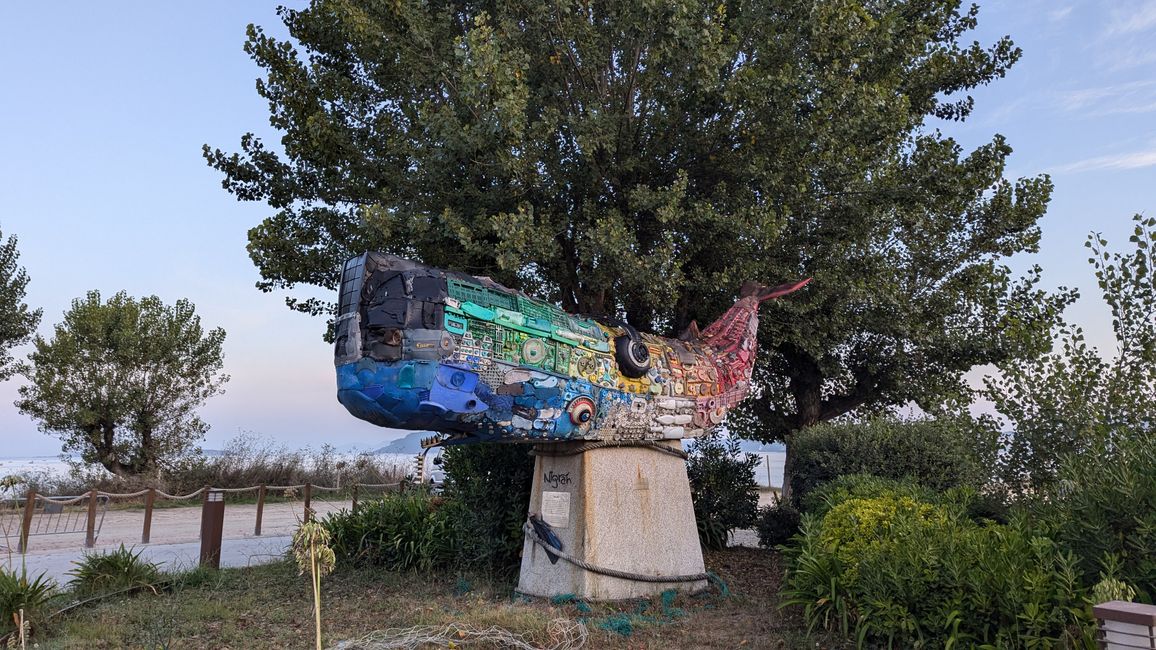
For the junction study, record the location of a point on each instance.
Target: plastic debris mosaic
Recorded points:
(428, 349)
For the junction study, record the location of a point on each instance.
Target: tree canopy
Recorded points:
(642, 159)
(120, 381)
(17, 321)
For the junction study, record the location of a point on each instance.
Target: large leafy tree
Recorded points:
(643, 158)
(120, 381)
(17, 321)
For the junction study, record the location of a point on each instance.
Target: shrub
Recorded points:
(1104, 507)
(488, 488)
(893, 570)
(859, 486)
(936, 454)
(398, 532)
(112, 571)
(722, 487)
(777, 524)
(249, 459)
(19, 592)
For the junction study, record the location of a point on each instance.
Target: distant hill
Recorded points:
(410, 444)
(752, 446)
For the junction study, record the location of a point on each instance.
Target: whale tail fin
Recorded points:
(764, 293)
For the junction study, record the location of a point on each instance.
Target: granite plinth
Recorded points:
(622, 508)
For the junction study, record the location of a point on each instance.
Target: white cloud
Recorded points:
(1056, 15)
(1130, 97)
(1134, 160)
(1133, 17)
(1125, 39)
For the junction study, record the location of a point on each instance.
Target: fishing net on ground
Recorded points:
(561, 633)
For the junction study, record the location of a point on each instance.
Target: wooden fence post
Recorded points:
(90, 529)
(146, 533)
(260, 509)
(308, 500)
(26, 520)
(355, 497)
(212, 527)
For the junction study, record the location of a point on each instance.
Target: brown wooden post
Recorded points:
(355, 497)
(150, 498)
(260, 509)
(308, 500)
(26, 521)
(212, 527)
(204, 500)
(90, 529)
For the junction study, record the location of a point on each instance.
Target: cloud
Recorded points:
(1125, 39)
(1133, 17)
(1121, 161)
(1056, 15)
(1130, 97)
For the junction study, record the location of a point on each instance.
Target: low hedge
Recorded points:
(938, 454)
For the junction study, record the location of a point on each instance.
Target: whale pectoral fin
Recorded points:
(691, 332)
(781, 290)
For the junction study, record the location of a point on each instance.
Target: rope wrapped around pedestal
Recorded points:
(614, 573)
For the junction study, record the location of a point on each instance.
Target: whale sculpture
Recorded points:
(429, 349)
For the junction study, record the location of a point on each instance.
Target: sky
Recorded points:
(104, 108)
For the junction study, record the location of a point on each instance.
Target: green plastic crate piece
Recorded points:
(477, 311)
(465, 291)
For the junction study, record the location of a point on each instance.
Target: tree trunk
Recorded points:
(806, 386)
(788, 465)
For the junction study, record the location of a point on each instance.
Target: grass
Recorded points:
(270, 607)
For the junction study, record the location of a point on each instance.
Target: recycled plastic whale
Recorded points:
(429, 349)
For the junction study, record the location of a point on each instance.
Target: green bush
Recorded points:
(398, 532)
(859, 486)
(777, 524)
(1104, 509)
(935, 454)
(20, 592)
(112, 571)
(973, 504)
(895, 571)
(489, 487)
(722, 487)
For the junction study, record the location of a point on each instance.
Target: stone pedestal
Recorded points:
(622, 508)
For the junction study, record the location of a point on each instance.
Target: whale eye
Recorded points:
(581, 410)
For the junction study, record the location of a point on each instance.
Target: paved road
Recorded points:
(175, 536)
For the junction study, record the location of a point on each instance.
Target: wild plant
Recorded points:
(112, 571)
(24, 601)
(312, 553)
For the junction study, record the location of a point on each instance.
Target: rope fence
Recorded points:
(38, 514)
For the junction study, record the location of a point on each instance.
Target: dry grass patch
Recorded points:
(269, 607)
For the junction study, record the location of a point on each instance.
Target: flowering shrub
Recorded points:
(893, 570)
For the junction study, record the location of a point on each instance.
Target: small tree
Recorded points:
(120, 381)
(1074, 398)
(723, 487)
(492, 483)
(17, 322)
